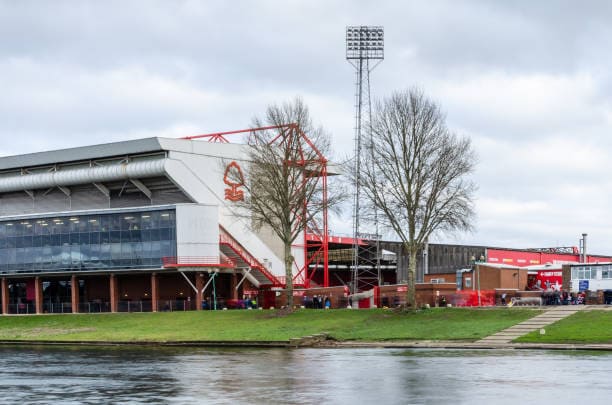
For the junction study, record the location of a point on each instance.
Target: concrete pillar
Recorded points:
(154, 292)
(199, 284)
(233, 284)
(74, 293)
(5, 295)
(114, 293)
(38, 295)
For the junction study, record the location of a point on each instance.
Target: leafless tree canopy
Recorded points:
(415, 171)
(284, 176)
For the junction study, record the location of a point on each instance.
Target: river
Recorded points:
(43, 375)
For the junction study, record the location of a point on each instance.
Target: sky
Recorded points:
(529, 82)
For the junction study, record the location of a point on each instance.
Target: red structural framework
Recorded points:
(315, 235)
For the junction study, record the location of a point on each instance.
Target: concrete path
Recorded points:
(538, 322)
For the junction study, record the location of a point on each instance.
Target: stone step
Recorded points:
(557, 315)
(498, 335)
(506, 339)
(544, 320)
(526, 329)
(538, 322)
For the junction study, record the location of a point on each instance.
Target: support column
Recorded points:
(5, 295)
(38, 295)
(199, 284)
(233, 284)
(74, 293)
(114, 293)
(154, 292)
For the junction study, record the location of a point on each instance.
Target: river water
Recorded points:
(47, 375)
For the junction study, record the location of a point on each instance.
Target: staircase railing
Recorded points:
(228, 240)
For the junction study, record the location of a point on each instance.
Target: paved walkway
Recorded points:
(503, 339)
(538, 322)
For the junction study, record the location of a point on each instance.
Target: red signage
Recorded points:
(233, 177)
(522, 258)
(545, 280)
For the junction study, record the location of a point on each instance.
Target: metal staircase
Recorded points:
(231, 248)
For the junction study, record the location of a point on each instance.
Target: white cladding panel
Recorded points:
(197, 230)
(200, 176)
(594, 285)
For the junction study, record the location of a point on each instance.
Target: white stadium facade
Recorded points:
(144, 224)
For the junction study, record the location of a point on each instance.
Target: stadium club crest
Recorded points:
(234, 179)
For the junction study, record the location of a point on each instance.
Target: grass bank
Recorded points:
(342, 324)
(582, 327)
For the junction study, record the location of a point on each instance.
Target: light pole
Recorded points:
(363, 44)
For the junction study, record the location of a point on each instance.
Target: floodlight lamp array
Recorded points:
(365, 42)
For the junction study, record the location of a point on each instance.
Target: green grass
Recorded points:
(371, 325)
(582, 327)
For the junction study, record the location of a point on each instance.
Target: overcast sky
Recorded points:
(529, 82)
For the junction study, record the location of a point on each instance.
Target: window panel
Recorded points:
(78, 242)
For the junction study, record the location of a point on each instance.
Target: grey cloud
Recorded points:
(81, 72)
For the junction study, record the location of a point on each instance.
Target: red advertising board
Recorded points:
(545, 280)
(523, 258)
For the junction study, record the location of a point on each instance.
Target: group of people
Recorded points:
(563, 298)
(244, 303)
(316, 302)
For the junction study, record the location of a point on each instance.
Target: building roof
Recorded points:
(500, 265)
(122, 148)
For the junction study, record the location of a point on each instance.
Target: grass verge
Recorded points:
(581, 327)
(342, 324)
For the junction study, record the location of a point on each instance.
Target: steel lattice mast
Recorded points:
(363, 44)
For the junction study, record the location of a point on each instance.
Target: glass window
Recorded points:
(78, 242)
(105, 223)
(94, 223)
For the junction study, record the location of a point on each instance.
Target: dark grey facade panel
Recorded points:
(53, 201)
(442, 259)
(129, 200)
(16, 203)
(82, 199)
(169, 197)
(88, 199)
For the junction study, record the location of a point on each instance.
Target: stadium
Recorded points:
(151, 225)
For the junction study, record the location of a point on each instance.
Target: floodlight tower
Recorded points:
(363, 44)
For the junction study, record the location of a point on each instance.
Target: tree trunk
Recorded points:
(289, 275)
(411, 292)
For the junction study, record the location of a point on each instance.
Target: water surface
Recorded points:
(340, 376)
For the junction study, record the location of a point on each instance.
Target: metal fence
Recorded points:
(102, 307)
(21, 309)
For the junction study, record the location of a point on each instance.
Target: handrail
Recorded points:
(227, 239)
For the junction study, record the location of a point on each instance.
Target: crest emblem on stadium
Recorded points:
(234, 179)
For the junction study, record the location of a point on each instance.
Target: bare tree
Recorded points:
(415, 173)
(284, 189)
